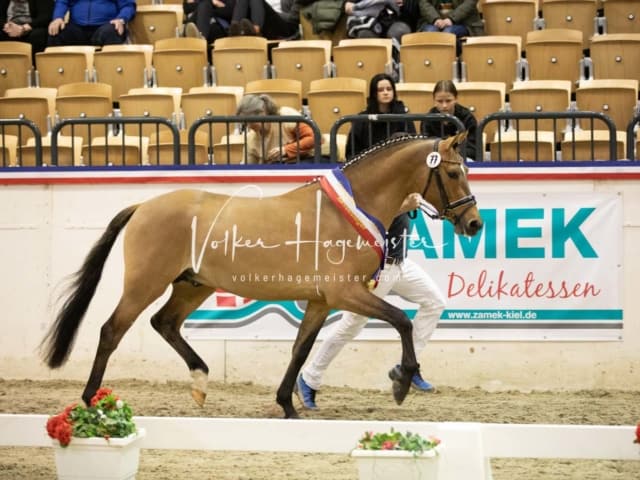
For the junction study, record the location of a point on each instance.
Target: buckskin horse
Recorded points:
(321, 242)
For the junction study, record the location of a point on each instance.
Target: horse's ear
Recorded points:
(454, 141)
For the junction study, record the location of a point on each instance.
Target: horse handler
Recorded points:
(406, 279)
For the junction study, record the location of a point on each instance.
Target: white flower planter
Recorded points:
(396, 464)
(99, 459)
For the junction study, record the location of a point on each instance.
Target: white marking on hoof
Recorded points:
(199, 386)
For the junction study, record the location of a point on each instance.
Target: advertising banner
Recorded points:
(545, 266)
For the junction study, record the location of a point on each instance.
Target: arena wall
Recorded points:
(49, 222)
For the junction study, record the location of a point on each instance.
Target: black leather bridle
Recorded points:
(448, 211)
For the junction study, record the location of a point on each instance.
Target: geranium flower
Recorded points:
(106, 417)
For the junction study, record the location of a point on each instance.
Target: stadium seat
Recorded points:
(509, 17)
(523, 146)
(16, 68)
(155, 22)
(615, 55)
(181, 62)
(206, 101)
(616, 98)
(124, 67)
(554, 54)
(622, 16)
(332, 98)
(582, 145)
(238, 60)
(493, 58)
(541, 96)
(428, 57)
(363, 57)
(285, 92)
(303, 60)
(571, 15)
(67, 64)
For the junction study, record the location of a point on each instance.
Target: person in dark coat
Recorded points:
(445, 99)
(382, 99)
(26, 21)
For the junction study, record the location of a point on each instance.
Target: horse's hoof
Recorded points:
(292, 415)
(199, 396)
(400, 391)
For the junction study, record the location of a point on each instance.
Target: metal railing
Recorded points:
(241, 124)
(7, 124)
(113, 139)
(387, 118)
(514, 118)
(114, 127)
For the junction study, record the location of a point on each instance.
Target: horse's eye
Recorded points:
(453, 175)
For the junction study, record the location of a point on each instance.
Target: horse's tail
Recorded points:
(59, 340)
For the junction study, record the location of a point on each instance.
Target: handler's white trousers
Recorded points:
(407, 280)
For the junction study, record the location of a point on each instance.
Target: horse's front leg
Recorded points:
(365, 303)
(312, 322)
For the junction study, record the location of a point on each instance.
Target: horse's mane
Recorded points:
(386, 143)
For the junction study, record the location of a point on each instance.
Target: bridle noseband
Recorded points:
(449, 207)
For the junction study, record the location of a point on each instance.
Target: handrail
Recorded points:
(113, 121)
(387, 118)
(536, 116)
(37, 136)
(231, 119)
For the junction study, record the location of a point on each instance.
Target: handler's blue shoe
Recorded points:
(417, 381)
(305, 393)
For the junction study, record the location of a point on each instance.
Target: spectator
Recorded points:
(102, 22)
(264, 144)
(382, 99)
(445, 99)
(209, 19)
(375, 19)
(26, 21)
(272, 19)
(460, 17)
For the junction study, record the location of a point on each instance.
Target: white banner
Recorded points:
(545, 266)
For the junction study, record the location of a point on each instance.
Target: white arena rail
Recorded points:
(468, 447)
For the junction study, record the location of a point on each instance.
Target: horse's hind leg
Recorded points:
(314, 317)
(131, 304)
(184, 299)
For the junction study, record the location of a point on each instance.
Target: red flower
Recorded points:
(60, 428)
(100, 394)
(637, 440)
(388, 445)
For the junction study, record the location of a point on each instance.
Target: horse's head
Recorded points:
(447, 187)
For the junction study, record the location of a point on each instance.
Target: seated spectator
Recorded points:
(264, 144)
(208, 19)
(445, 100)
(460, 17)
(272, 19)
(26, 21)
(375, 19)
(382, 99)
(102, 22)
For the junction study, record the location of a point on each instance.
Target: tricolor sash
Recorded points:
(338, 189)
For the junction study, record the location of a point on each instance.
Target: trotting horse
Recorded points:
(321, 242)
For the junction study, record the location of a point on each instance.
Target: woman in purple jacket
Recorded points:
(91, 22)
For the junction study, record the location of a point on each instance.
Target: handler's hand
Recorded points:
(411, 202)
(56, 25)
